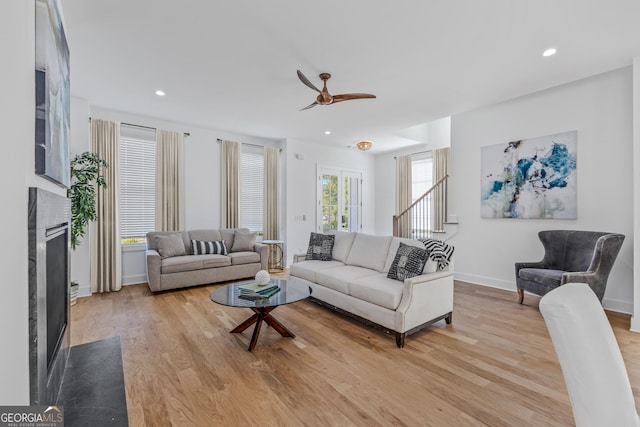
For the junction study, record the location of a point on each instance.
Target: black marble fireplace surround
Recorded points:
(49, 337)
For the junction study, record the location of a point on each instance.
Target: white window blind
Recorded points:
(421, 175)
(137, 186)
(251, 188)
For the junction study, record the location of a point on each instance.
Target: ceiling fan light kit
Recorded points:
(324, 98)
(364, 145)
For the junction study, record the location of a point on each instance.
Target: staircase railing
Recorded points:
(417, 221)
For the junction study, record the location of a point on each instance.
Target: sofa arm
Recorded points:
(263, 250)
(299, 257)
(520, 265)
(154, 264)
(424, 298)
(427, 277)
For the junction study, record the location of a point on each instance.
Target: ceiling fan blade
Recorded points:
(310, 106)
(306, 81)
(349, 96)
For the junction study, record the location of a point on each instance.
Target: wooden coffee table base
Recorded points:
(261, 314)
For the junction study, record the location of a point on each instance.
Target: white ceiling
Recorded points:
(231, 65)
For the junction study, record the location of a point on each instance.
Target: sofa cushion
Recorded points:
(214, 260)
(408, 262)
(378, 290)
(228, 235)
(193, 262)
(201, 247)
(307, 269)
(342, 245)
(205, 235)
(544, 276)
(151, 238)
(170, 245)
(243, 241)
(369, 251)
(338, 278)
(393, 249)
(320, 246)
(244, 257)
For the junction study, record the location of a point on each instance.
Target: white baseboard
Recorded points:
(485, 281)
(609, 304)
(617, 306)
(134, 280)
(84, 291)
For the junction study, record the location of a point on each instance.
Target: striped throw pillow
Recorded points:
(200, 247)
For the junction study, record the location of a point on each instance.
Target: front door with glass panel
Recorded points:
(339, 200)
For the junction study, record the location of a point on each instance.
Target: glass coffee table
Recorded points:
(291, 291)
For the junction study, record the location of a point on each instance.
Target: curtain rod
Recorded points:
(143, 127)
(413, 154)
(251, 145)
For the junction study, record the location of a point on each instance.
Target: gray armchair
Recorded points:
(570, 256)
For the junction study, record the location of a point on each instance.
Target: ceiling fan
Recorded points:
(324, 98)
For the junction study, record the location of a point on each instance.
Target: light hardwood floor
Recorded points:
(494, 365)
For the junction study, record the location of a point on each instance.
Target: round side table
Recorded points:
(275, 262)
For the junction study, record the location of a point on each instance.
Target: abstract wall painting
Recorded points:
(532, 178)
(53, 96)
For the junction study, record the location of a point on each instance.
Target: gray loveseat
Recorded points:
(172, 266)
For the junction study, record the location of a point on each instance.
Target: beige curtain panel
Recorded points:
(403, 195)
(441, 160)
(106, 267)
(271, 193)
(169, 180)
(230, 181)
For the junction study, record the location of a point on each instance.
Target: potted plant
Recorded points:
(86, 177)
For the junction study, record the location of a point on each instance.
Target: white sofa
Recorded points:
(355, 283)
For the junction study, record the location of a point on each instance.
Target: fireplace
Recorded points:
(49, 216)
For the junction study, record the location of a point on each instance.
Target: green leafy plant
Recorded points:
(86, 177)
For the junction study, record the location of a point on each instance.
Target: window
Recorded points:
(251, 188)
(339, 200)
(421, 175)
(137, 187)
(421, 182)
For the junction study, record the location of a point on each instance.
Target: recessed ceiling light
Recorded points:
(160, 93)
(327, 132)
(550, 52)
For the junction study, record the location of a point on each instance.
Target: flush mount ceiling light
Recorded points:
(549, 52)
(327, 132)
(160, 92)
(364, 145)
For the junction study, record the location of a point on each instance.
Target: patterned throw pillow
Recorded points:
(439, 252)
(320, 246)
(200, 247)
(409, 262)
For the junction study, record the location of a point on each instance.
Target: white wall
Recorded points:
(635, 320)
(301, 182)
(439, 136)
(17, 107)
(600, 109)
(17, 166)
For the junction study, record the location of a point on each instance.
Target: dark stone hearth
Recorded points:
(93, 392)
